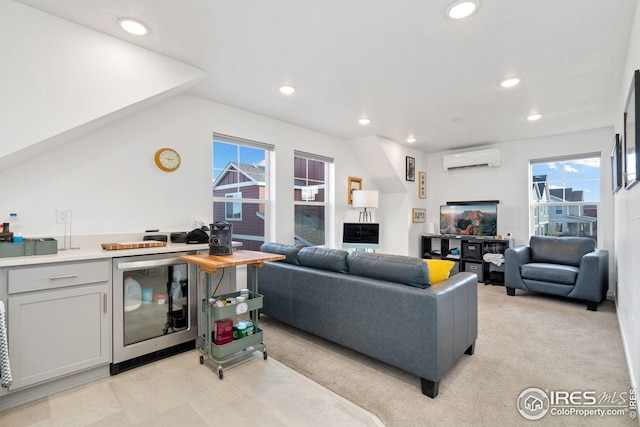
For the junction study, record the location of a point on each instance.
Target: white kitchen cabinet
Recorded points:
(58, 320)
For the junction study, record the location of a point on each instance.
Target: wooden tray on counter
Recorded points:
(133, 245)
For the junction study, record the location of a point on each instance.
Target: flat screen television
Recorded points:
(469, 220)
(361, 232)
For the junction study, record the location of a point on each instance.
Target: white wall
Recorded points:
(58, 77)
(627, 231)
(385, 162)
(509, 183)
(110, 182)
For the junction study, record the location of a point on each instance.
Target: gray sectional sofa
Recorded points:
(380, 305)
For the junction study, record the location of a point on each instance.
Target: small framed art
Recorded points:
(410, 169)
(422, 185)
(419, 215)
(354, 184)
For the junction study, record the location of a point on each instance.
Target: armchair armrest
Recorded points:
(514, 258)
(593, 278)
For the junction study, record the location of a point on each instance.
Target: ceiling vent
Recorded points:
(487, 157)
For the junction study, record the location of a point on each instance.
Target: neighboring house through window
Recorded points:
(310, 187)
(565, 194)
(240, 172)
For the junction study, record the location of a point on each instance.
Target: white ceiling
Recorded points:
(400, 62)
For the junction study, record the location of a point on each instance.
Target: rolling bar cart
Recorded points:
(242, 347)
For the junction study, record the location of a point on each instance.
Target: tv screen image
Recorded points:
(355, 232)
(469, 220)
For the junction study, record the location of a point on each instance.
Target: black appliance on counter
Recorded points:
(220, 242)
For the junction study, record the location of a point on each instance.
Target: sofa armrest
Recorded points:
(514, 259)
(456, 318)
(593, 277)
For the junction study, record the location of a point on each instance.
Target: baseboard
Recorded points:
(627, 354)
(29, 394)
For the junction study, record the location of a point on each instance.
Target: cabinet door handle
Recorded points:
(63, 276)
(104, 302)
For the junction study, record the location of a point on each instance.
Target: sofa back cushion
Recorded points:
(324, 259)
(391, 268)
(290, 251)
(560, 250)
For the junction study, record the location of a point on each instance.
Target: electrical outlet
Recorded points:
(61, 216)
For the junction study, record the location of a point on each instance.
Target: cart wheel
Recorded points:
(220, 374)
(264, 355)
(201, 360)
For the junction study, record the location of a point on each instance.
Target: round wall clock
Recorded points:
(167, 159)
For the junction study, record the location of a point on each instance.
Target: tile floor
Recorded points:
(178, 391)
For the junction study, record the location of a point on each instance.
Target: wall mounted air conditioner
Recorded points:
(486, 157)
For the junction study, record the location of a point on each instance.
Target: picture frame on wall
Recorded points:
(631, 133)
(410, 169)
(418, 215)
(422, 185)
(616, 164)
(354, 184)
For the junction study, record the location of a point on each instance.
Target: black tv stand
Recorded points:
(470, 255)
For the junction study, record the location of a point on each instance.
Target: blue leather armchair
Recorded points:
(565, 266)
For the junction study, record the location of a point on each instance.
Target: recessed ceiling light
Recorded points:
(287, 90)
(462, 9)
(411, 140)
(534, 117)
(510, 82)
(364, 121)
(133, 26)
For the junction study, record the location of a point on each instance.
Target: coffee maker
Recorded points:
(220, 238)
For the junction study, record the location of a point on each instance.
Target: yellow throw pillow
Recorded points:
(439, 269)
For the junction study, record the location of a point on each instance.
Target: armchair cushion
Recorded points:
(563, 250)
(556, 273)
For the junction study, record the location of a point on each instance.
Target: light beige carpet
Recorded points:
(524, 341)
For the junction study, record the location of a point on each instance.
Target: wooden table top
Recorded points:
(211, 263)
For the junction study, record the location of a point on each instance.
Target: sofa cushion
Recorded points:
(324, 259)
(290, 251)
(560, 250)
(555, 273)
(391, 268)
(439, 269)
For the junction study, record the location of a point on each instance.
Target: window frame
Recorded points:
(325, 185)
(536, 207)
(263, 202)
(234, 206)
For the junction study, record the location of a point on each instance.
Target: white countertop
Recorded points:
(89, 247)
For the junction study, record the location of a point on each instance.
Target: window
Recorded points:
(310, 198)
(565, 194)
(233, 211)
(240, 172)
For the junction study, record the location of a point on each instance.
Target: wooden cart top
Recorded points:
(211, 263)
